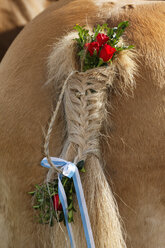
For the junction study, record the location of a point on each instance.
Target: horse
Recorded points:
(124, 185)
(14, 15)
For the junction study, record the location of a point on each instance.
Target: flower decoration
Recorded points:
(92, 47)
(107, 53)
(46, 200)
(56, 203)
(102, 39)
(101, 47)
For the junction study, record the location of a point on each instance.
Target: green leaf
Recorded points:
(103, 27)
(36, 207)
(97, 30)
(110, 33)
(70, 216)
(71, 190)
(70, 197)
(64, 181)
(95, 53)
(37, 186)
(129, 47)
(70, 206)
(31, 193)
(83, 169)
(83, 34)
(80, 164)
(123, 25)
(100, 62)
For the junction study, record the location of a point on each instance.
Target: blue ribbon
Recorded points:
(63, 200)
(70, 170)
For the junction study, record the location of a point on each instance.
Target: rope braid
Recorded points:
(50, 127)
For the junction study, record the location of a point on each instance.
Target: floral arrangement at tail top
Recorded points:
(101, 47)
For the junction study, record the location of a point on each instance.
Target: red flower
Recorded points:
(56, 203)
(102, 38)
(91, 47)
(107, 52)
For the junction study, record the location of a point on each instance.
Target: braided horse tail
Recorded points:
(84, 103)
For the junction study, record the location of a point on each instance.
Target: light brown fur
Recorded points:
(134, 152)
(15, 14)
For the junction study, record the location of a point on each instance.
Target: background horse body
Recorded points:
(133, 152)
(14, 15)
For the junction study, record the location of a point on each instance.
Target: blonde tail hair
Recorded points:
(85, 99)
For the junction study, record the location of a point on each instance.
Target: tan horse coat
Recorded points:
(134, 156)
(14, 15)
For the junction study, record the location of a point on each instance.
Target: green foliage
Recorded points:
(114, 35)
(80, 166)
(43, 199)
(83, 34)
(43, 202)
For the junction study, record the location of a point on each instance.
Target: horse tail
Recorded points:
(85, 100)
